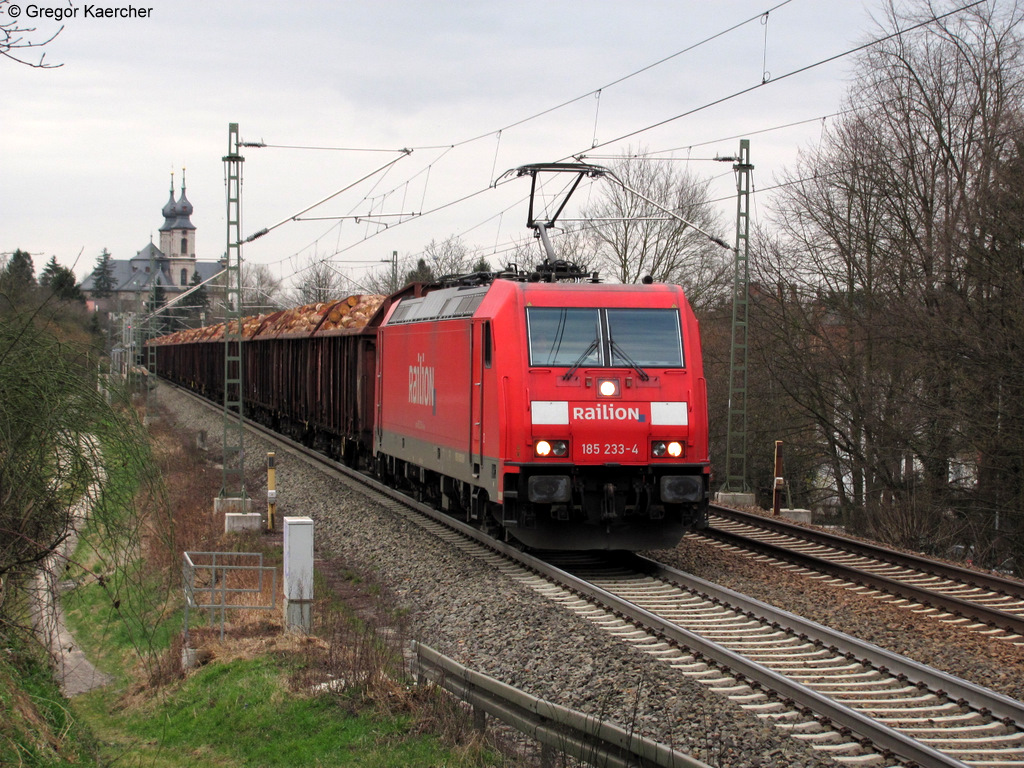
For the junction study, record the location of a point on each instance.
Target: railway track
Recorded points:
(984, 602)
(848, 699)
(856, 701)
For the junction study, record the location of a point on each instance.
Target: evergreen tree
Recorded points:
(19, 274)
(422, 274)
(157, 298)
(200, 298)
(65, 286)
(49, 271)
(198, 302)
(61, 281)
(103, 276)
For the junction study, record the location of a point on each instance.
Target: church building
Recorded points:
(172, 266)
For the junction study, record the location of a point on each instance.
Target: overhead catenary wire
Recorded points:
(646, 154)
(791, 73)
(594, 92)
(264, 145)
(767, 80)
(170, 303)
(294, 217)
(621, 79)
(650, 153)
(447, 148)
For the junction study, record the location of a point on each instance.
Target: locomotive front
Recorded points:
(608, 435)
(572, 416)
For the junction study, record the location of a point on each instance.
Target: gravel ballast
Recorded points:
(468, 610)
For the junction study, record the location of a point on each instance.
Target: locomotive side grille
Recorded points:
(440, 305)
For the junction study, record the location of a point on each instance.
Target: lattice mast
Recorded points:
(149, 332)
(736, 434)
(233, 483)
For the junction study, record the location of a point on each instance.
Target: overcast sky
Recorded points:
(88, 148)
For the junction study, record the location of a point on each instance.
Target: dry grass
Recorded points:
(185, 521)
(357, 648)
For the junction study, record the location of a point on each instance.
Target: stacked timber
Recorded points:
(351, 312)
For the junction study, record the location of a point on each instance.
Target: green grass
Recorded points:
(37, 725)
(129, 616)
(243, 713)
(125, 612)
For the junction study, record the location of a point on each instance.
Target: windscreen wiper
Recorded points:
(579, 360)
(617, 350)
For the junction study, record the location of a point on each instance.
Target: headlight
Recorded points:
(662, 448)
(557, 448)
(608, 387)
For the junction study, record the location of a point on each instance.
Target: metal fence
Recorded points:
(209, 577)
(558, 729)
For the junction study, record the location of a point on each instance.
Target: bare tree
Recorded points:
(896, 238)
(397, 274)
(262, 291)
(629, 237)
(448, 257)
(384, 280)
(319, 281)
(15, 42)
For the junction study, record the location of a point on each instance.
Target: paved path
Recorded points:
(74, 671)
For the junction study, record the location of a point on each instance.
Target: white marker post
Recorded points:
(298, 573)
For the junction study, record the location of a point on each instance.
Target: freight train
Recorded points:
(564, 415)
(543, 406)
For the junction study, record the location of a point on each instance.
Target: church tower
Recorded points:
(178, 237)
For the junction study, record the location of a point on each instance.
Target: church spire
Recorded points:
(169, 212)
(184, 207)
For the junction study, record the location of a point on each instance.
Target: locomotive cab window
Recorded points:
(645, 337)
(620, 338)
(563, 336)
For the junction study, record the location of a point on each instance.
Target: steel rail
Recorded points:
(585, 737)
(992, 617)
(879, 735)
(984, 700)
(998, 584)
(577, 733)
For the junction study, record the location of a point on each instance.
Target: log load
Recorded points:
(352, 312)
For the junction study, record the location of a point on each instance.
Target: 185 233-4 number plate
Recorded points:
(609, 450)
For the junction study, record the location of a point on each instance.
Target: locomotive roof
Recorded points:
(463, 301)
(443, 304)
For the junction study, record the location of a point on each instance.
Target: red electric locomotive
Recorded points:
(567, 413)
(574, 415)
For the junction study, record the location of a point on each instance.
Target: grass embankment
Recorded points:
(261, 697)
(37, 727)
